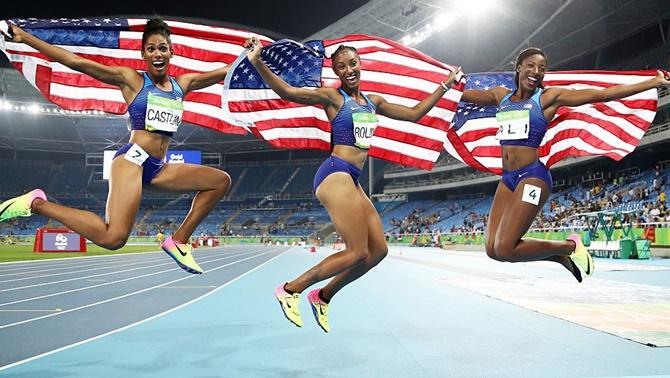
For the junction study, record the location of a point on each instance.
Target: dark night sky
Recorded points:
(295, 19)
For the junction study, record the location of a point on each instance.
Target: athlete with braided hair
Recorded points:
(352, 116)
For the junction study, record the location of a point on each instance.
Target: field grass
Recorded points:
(24, 252)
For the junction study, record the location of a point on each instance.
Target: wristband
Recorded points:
(445, 87)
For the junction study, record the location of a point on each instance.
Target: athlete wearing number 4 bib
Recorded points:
(353, 120)
(526, 183)
(155, 108)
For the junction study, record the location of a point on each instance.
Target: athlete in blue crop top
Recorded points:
(155, 107)
(353, 119)
(523, 116)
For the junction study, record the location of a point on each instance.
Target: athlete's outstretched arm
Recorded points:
(405, 113)
(322, 96)
(113, 75)
(192, 81)
(576, 97)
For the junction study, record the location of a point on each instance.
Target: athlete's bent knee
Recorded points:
(357, 257)
(504, 251)
(224, 182)
(380, 254)
(490, 249)
(114, 242)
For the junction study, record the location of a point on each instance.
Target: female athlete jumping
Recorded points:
(155, 108)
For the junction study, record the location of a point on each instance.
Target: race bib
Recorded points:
(163, 114)
(364, 127)
(531, 194)
(136, 155)
(513, 124)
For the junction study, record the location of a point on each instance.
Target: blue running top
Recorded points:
(156, 110)
(354, 123)
(521, 123)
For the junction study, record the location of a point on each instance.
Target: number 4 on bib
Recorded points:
(531, 194)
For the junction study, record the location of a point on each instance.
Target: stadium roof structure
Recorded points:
(485, 36)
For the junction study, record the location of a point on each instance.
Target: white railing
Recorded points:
(536, 229)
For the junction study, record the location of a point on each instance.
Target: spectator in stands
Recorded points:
(155, 108)
(526, 182)
(655, 214)
(353, 120)
(160, 237)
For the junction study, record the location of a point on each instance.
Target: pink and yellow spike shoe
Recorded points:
(182, 254)
(581, 257)
(319, 309)
(20, 206)
(290, 305)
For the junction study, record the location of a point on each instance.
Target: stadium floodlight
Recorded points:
(5, 105)
(474, 9)
(438, 24)
(34, 108)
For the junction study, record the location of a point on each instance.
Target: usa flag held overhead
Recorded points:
(611, 129)
(118, 41)
(399, 74)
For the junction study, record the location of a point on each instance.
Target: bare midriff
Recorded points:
(154, 144)
(353, 155)
(516, 157)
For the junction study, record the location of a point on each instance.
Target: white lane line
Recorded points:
(114, 298)
(10, 264)
(169, 262)
(98, 267)
(5, 367)
(20, 310)
(87, 264)
(65, 264)
(76, 258)
(108, 283)
(187, 287)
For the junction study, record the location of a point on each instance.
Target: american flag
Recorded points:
(611, 129)
(118, 41)
(400, 74)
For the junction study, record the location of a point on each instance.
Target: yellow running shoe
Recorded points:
(581, 257)
(182, 254)
(290, 305)
(319, 309)
(20, 206)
